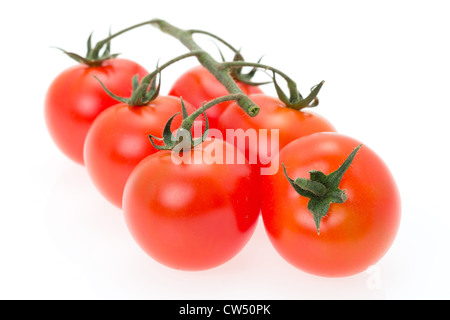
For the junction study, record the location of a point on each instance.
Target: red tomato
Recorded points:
(75, 98)
(292, 124)
(119, 139)
(198, 85)
(192, 216)
(353, 235)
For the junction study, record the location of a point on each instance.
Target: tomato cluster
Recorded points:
(330, 206)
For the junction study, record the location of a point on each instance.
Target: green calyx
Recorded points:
(148, 89)
(295, 99)
(183, 140)
(322, 189)
(143, 93)
(94, 55)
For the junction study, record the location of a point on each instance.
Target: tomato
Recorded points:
(198, 85)
(353, 235)
(75, 98)
(292, 124)
(192, 216)
(118, 141)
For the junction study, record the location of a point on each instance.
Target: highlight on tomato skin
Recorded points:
(198, 86)
(75, 98)
(354, 235)
(192, 216)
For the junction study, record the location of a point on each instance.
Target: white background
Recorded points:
(386, 67)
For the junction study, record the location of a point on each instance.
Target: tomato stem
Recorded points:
(295, 99)
(93, 57)
(185, 36)
(225, 72)
(213, 66)
(236, 73)
(240, 64)
(194, 31)
(99, 45)
(188, 122)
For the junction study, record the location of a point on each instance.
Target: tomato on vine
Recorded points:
(340, 220)
(75, 98)
(193, 204)
(195, 212)
(118, 139)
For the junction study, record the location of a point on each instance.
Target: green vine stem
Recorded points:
(236, 73)
(194, 31)
(295, 99)
(185, 37)
(188, 122)
(93, 57)
(222, 71)
(96, 50)
(240, 64)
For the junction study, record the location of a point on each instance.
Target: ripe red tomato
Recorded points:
(75, 98)
(292, 124)
(118, 141)
(198, 85)
(353, 235)
(192, 216)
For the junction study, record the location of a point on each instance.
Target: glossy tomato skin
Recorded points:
(292, 124)
(119, 139)
(192, 216)
(75, 98)
(354, 235)
(198, 86)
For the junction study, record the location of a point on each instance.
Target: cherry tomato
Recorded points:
(192, 216)
(198, 85)
(353, 235)
(292, 124)
(118, 141)
(75, 98)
